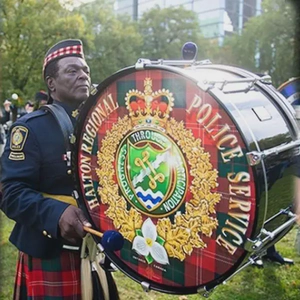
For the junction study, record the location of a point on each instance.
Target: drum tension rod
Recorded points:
(251, 82)
(224, 82)
(251, 260)
(256, 245)
(143, 62)
(271, 234)
(255, 157)
(206, 292)
(286, 211)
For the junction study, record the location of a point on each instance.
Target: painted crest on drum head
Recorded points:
(153, 178)
(161, 161)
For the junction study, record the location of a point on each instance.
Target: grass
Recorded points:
(8, 257)
(273, 282)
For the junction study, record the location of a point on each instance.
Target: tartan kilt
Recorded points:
(48, 279)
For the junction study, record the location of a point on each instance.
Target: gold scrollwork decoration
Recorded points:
(183, 234)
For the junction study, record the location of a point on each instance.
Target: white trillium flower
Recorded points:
(146, 244)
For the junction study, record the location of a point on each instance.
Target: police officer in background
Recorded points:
(4, 118)
(37, 187)
(41, 99)
(29, 107)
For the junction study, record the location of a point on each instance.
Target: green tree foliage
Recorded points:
(266, 44)
(166, 30)
(295, 4)
(116, 42)
(28, 29)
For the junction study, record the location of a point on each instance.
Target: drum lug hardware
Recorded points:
(251, 246)
(267, 233)
(68, 158)
(205, 292)
(267, 79)
(113, 268)
(93, 90)
(204, 86)
(75, 195)
(100, 248)
(72, 138)
(254, 158)
(146, 286)
(140, 64)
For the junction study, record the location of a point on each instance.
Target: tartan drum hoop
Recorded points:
(192, 164)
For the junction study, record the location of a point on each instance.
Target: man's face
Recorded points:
(72, 81)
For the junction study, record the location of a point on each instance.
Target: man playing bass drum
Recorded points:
(37, 185)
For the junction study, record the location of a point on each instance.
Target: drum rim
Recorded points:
(74, 158)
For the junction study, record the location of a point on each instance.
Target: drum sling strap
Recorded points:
(96, 282)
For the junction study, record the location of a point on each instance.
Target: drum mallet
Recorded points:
(110, 240)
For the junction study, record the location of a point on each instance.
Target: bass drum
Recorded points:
(193, 166)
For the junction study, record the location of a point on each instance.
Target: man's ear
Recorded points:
(50, 81)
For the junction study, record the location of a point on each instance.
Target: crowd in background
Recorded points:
(9, 109)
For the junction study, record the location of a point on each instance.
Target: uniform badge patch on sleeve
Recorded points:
(16, 156)
(18, 138)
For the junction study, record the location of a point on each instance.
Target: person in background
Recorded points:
(4, 118)
(41, 99)
(274, 256)
(29, 107)
(6, 114)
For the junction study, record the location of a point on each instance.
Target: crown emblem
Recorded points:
(149, 107)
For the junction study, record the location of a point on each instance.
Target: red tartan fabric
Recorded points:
(40, 279)
(76, 49)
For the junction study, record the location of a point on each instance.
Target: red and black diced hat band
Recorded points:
(63, 49)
